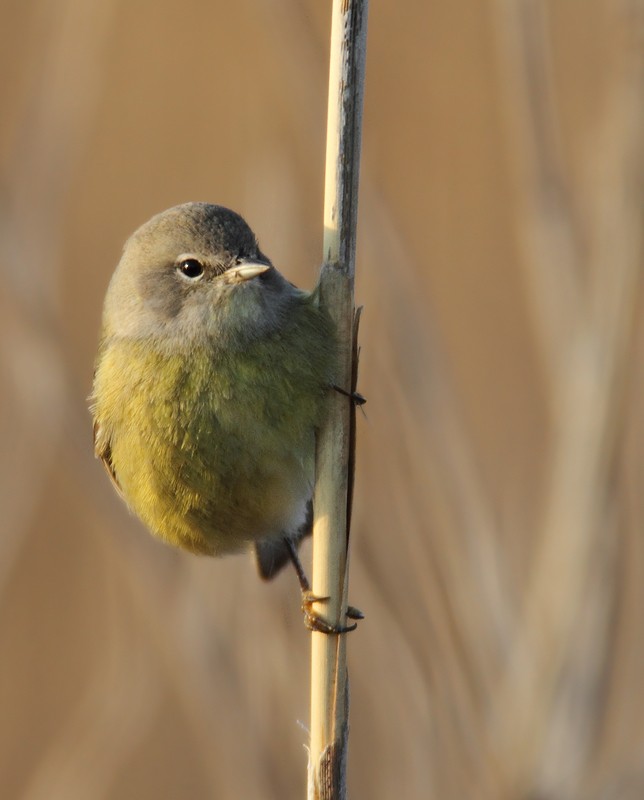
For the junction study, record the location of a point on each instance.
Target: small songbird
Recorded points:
(212, 377)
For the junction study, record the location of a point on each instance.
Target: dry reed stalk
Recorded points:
(329, 689)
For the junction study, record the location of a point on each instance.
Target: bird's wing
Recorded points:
(103, 450)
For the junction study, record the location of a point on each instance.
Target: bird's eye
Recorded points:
(191, 268)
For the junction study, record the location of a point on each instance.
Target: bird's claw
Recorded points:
(314, 622)
(355, 397)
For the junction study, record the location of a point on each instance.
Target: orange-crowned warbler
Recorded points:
(212, 376)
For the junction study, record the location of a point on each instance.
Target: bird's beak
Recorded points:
(247, 270)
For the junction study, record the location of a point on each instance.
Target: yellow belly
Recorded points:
(209, 455)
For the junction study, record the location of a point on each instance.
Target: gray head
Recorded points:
(191, 272)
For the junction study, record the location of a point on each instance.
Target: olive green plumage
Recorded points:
(212, 376)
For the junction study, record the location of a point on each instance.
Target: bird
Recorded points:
(211, 381)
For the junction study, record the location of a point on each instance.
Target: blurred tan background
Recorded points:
(497, 541)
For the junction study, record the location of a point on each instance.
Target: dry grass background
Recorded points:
(497, 542)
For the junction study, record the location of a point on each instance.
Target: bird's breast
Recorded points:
(211, 450)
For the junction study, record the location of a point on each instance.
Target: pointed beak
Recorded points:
(247, 270)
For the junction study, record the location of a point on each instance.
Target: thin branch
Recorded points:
(329, 689)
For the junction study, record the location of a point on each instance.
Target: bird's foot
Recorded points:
(314, 622)
(355, 397)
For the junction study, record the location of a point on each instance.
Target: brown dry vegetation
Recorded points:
(497, 542)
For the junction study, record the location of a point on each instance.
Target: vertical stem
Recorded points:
(329, 695)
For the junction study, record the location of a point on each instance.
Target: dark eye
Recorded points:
(191, 268)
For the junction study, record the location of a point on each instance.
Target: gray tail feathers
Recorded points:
(272, 555)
